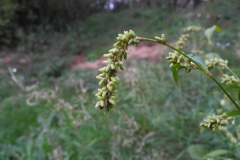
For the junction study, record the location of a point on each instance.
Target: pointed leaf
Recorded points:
(218, 29)
(239, 94)
(196, 151)
(236, 70)
(211, 55)
(231, 87)
(233, 113)
(216, 153)
(199, 61)
(175, 70)
(209, 32)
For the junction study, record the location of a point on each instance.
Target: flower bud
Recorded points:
(98, 77)
(102, 103)
(108, 68)
(115, 50)
(102, 69)
(158, 38)
(113, 97)
(163, 37)
(132, 33)
(116, 64)
(113, 79)
(124, 38)
(105, 62)
(98, 94)
(116, 45)
(110, 88)
(112, 66)
(119, 39)
(106, 55)
(130, 41)
(125, 56)
(97, 104)
(100, 98)
(111, 101)
(101, 83)
(104, 94)
(121, 67)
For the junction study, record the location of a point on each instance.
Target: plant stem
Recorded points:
(232, 72)
(179, 51)
(214, 79)
(205, 70)
(189, 58)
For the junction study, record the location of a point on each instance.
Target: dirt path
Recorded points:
(145, 51)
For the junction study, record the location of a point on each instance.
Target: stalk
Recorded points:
(199, 66)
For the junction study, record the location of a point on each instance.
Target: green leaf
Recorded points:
(209, 32)
(239, 94)
(196, 152)
(216, 153)
(233, 113)
(236, 70)
(199, 61)
(175, 70)
(211, 55)
(231, 87)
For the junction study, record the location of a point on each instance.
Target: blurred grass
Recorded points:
(153, 119)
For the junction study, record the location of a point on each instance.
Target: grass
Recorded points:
(153, 118)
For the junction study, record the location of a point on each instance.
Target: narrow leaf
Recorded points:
(211, 55)
(198, 60)
(196, 151)
(209, 32)
(175, 70)
(233, 113)
(236, 70)
(239, 94)
(231, 87)
(216, 153)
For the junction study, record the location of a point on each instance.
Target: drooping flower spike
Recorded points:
(108, 76)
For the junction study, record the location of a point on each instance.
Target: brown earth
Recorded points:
(145, 51)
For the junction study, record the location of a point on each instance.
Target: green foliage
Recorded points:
(155, 120)
(141, 126)
(55, 69)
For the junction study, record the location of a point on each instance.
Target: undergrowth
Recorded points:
(56, 121)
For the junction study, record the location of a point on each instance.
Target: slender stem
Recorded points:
(232, 72)
(225, 92)
(189, 58)
(179, 51)
(205, 70)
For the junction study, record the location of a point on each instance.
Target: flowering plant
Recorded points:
(178, 59)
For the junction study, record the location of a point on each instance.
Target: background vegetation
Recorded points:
(52, 115)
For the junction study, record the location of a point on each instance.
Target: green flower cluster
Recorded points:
(176, 58)
(215, 62)
(213, 122)
(193, 29)
(230, 80)
(196, 51)
(181, 41)
(108, 76)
